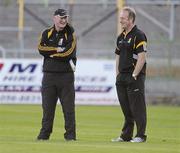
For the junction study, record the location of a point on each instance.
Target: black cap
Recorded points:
(61, 12)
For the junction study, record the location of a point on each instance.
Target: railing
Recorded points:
(154, 2)
(20, 39)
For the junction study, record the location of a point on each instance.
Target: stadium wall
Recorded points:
(20, 83)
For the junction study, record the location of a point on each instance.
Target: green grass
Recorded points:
(96, 125)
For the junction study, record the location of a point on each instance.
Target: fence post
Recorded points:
(120, 4)
(21, 26)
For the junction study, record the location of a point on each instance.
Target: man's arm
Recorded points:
(43, 47)
(140, 63)
(140, 49)
(117, 64)
(69, 49)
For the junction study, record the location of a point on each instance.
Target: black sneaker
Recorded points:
(42, 137)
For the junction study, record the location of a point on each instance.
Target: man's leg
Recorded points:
(127, 130)
(67, 98)
(49, 99)
(138, 106)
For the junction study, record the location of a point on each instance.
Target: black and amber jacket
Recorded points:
(49, 42)
(128, 47)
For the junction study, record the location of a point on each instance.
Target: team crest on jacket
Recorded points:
(129, 41)
(60, 42)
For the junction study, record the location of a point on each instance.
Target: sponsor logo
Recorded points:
(120, 42)
(95, 89)
(21, 68)
(20, 98)
(91, 79)
(18, 88)
(16, 78)
(85, 88)
(136, 90)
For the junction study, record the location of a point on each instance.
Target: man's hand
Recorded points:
(134, 76)
(60, 49)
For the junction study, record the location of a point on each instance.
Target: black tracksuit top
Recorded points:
(50, 40)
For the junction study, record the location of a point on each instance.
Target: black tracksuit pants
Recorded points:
(58, 86)
(132, 100)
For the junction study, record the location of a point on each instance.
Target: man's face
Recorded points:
(124, 20)
(60, 22)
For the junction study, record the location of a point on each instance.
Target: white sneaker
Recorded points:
(118, 139)
(138, 140)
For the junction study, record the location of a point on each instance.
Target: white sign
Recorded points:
(95, 82)
(20, 81)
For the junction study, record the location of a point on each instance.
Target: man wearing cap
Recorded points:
(58, 47)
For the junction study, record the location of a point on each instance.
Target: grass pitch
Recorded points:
(96, 126)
